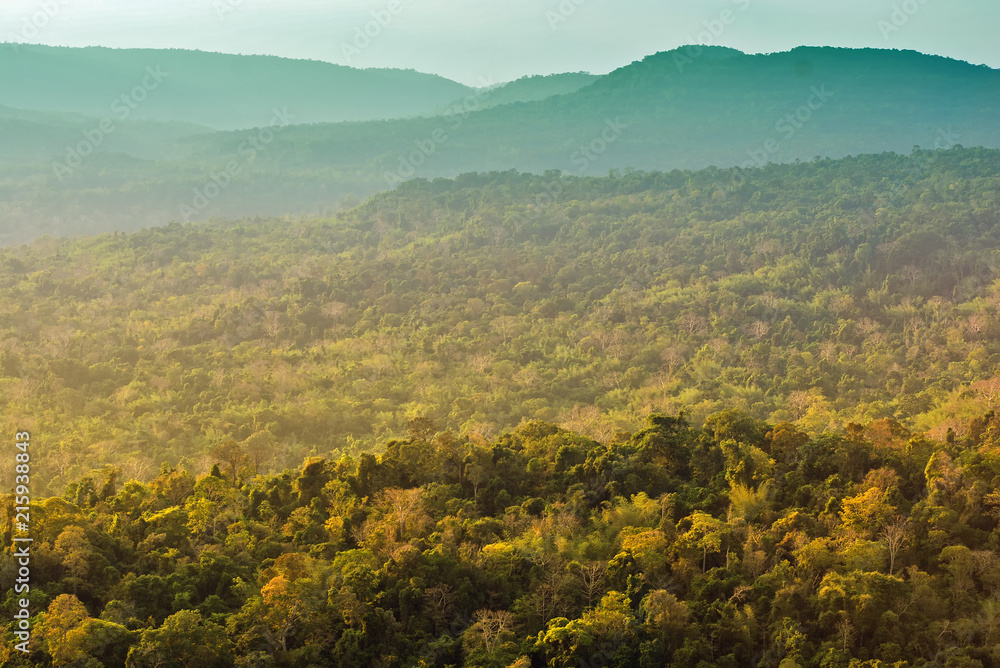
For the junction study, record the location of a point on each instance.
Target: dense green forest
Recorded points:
(819, 294)
(684, 109)
(738, 417)
(740, 543)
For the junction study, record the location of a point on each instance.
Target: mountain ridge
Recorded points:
(720, 108)
(211, 88)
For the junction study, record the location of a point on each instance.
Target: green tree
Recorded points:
(185, 640)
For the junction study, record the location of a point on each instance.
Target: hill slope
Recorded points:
(217, 90)
(819, 293)
(727, 109)
(26, 135)
(535, 88)
(668, 111)
(739, 544)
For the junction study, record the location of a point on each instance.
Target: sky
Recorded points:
(481, 42)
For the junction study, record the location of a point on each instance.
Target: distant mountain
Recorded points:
(31, 135)
(213, 89)
(691, 108)
(535, 88)
(683, 109)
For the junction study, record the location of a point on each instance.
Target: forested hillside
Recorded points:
(820, 294)
(738, 544)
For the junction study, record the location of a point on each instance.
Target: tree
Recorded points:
(650, 550)
(894, 534)
(704, 533)
(232, 457)
(97, 643)
(259, 448)
(292, 600)
(748, 503)
(594, 636)
(284, 609)
(74, 548)
(185, 640)
(593, 575)
(864, 515)
(666, 618)
(347, 604)
(213, 507)
(405, 507)
(441, 601)
(173, 485)
(64, 614)
(489, 630)
(421, 429)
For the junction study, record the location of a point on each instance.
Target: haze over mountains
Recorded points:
(685, 109)
(221, 91)
(535, 88)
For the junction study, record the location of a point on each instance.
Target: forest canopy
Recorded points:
(742, 543)
(818, 294)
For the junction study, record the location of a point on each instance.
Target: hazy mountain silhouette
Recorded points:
(535, 88)
(688, 108)
(214, 89)
(684, 109)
